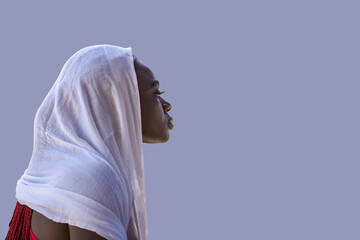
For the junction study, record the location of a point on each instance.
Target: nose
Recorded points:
(165, 105)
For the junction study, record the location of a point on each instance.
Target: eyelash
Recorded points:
(158, 93)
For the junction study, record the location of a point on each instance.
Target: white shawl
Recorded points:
(87, 165)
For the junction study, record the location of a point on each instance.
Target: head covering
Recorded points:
(86, 167)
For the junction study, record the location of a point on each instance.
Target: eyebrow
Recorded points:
(154, 83)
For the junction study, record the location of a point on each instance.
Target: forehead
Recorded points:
(144, 74)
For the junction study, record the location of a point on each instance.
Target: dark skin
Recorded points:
(156, 124)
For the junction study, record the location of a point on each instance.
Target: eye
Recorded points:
(158, 93)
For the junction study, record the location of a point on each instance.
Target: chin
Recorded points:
(158, 139)
(164, 138)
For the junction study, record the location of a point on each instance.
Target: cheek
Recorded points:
(158, 111)
(152, 111)
(158, 115)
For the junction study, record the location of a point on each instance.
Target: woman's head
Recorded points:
(115, 83)
(155, 119)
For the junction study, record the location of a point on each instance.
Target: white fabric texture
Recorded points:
(87, 166)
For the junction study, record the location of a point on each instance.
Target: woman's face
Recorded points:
(155, 120)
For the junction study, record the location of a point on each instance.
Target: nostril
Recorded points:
(168, 107)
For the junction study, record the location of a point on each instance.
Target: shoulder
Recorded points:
(77, 233)
(46, 229)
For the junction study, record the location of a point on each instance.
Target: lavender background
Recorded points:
(265, 99)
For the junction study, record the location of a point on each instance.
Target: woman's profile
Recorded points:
(85, 178)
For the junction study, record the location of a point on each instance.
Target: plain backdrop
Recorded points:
(265, 98)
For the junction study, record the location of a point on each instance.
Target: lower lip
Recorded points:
(170, 125)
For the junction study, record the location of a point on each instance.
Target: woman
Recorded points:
(85, 179)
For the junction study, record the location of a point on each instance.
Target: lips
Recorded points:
(170, 124)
